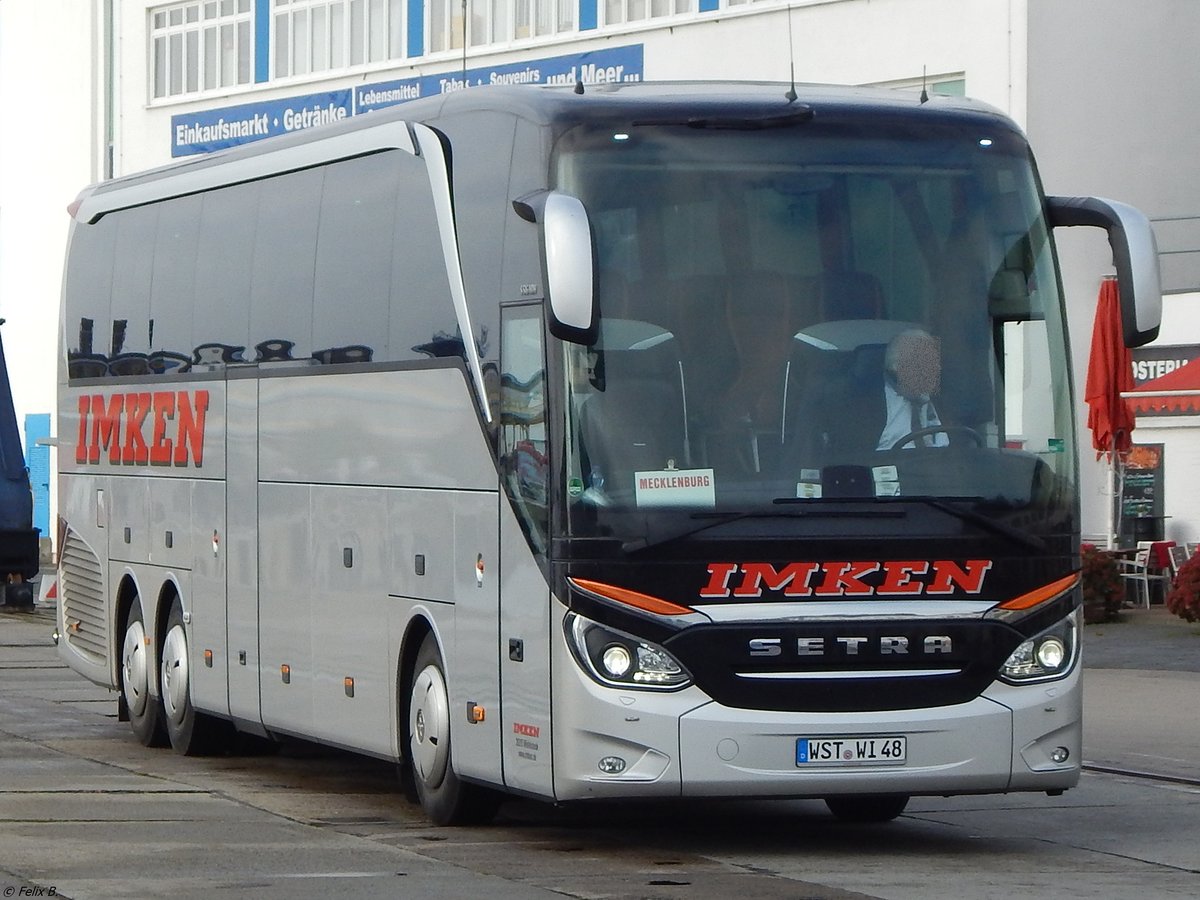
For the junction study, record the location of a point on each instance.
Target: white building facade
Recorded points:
(1101, 86)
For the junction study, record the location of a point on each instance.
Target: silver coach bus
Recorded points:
(534, 438)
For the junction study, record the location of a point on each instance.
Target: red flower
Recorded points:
(1184, 597)
(1103, 588)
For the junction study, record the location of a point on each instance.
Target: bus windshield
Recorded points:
(839, 311)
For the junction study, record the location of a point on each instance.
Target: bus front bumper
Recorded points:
(1025, 738)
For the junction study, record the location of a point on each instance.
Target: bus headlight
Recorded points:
(1046, 656)
(617, 659)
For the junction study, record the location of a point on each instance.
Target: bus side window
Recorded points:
(422, 323)
(224, 261)
(353, 270)
(285, 246)
(524, 452)
(89, 297)
(173, 286)
(126, 337)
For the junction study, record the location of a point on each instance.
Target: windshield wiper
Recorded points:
(1032, 541)
(719, 518)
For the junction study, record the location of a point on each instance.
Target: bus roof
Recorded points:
(564, 105)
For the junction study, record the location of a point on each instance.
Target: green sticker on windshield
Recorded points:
(1056, 445)
(575, 487)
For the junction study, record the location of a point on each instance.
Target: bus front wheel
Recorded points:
(145, 716)
(444, 797)
(867, 807)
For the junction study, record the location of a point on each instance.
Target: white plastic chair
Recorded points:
(1179, 555)
(1137, 570)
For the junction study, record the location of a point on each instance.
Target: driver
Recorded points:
(912, 376)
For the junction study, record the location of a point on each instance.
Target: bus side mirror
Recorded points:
(1135, 255)
(569, 261)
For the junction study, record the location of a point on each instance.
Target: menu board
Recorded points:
(1141, 501)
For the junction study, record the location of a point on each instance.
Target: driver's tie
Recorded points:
(916, 411)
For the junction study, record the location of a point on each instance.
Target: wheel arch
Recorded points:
(154, 619)
(414, 635)
(168, 593)
(125, 594)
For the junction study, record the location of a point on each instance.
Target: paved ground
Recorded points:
(1141, 686)
(1151, 639)
(138, 824)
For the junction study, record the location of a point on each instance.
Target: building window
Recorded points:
(201, 46)
(323, 35)
(618, 11)
(497, 21)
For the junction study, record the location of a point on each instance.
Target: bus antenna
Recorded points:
(791, 92)
(924, 91)
(579, 85)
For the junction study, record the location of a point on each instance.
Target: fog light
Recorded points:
(1059, 754)
(617, 660)
(611, 765)
(1051, 653)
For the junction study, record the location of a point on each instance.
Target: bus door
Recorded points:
(525, 607)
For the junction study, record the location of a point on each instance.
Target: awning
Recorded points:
(1185, 378)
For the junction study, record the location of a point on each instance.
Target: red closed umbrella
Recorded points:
(1110, 371)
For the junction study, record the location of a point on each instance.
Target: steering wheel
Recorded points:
(948, 430)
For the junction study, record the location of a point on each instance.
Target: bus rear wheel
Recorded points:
(191, 733)
(145, 716)
(444, 797)
(867, 807)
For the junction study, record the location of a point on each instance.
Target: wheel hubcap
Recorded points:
(429, 725)
(133, 665)
(175, 673)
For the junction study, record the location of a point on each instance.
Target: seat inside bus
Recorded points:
(633, 417)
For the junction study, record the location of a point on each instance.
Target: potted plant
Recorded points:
(1103, 588)
(1184, 597)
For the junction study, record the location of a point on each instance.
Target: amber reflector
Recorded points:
(631, 598)
(1042, 594)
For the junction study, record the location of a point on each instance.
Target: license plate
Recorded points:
(852, 749)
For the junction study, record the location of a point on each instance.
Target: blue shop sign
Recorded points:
(216, 129)
(615, 64)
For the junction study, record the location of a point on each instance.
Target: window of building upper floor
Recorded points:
(203, 45)
(214, 45)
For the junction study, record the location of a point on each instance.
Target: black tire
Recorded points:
(18, 595)
(145, 712)
(190, 733)
(867, 807)
(445, 798)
